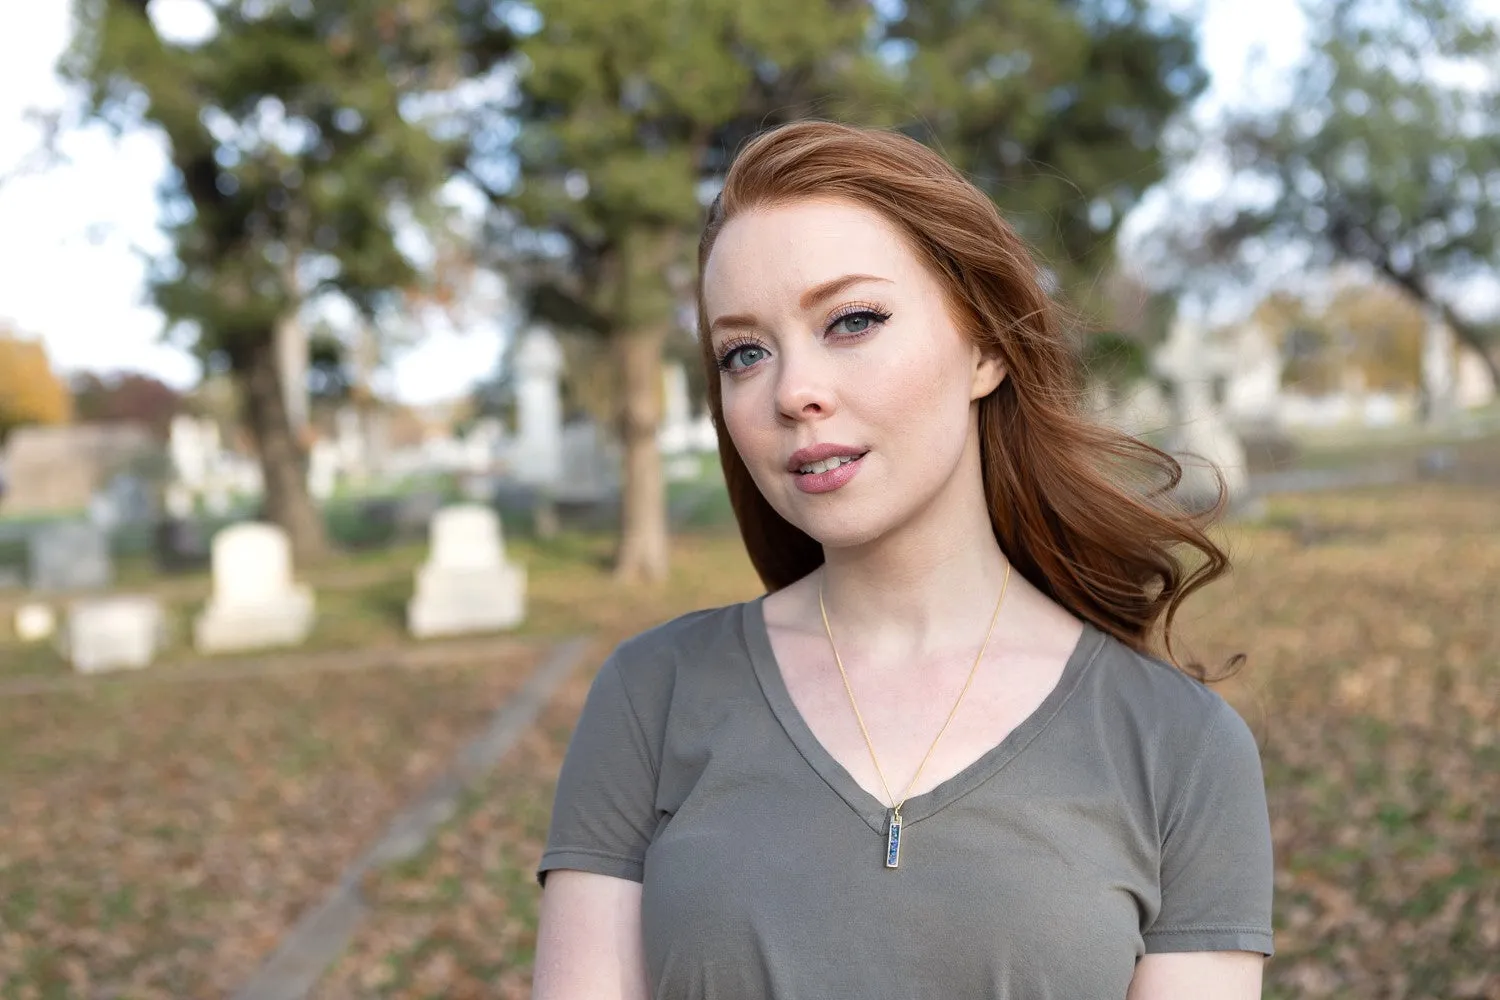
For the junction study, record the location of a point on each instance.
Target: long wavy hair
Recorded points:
(1083, 511)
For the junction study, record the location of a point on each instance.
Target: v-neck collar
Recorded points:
(918, 807)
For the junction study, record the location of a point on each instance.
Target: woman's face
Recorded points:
(847, 388)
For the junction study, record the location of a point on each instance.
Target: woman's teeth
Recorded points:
(826, 464)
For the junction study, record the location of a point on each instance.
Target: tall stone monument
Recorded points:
(536, 454)
(1201, 439)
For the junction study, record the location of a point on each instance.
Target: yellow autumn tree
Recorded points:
(30, 391)
(1366, 328)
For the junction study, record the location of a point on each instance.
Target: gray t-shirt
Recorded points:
(1126, 815)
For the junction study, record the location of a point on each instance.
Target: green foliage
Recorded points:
(1384, 153)
(622, 108)
(1055, 109)
(293, 136)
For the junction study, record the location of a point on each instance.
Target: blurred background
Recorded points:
(350, 412)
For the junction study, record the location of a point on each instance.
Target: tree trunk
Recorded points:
(1465, 333)
(282, 461)
(643, 552)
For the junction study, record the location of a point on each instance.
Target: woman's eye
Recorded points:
(742, 357)
(857, 322)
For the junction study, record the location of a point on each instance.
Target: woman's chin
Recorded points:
(838, 531)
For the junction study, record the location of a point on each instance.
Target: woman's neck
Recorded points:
(928, 584)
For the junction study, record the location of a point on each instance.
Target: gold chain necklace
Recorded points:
(893, 817)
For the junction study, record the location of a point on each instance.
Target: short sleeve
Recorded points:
(604, 810)
(1216, 864)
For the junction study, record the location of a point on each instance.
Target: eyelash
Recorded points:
(877, 317)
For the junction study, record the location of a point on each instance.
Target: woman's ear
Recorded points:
(989, 372)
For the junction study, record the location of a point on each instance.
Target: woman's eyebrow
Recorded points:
(828, 289)
(809, 298)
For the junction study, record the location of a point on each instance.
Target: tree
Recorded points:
(1364, 328)
(1056, 110)
(125, 396)
(297, 138)
(621, 110)
(30, 392)
(1384, 155)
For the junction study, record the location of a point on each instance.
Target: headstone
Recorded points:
(35, 622)
(676, 434)
(182, 544)
(1438, 369)
(178, 500)
(255, 601)
(114, 633)
(193, 443)
(466, 585)
(1202, 440)
(590, 465)
(535, 457)
(1252, 394)
(322, 470)
(70, 555)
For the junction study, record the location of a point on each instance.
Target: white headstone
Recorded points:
(114, 633)
(1252, 394)
(536, 455)
(1202, 440)
(255, 601)
(179, 500)
(1438, 367)
(676, 434)
(35, 622)
(194, 445)
(466, 585)
(322, 470)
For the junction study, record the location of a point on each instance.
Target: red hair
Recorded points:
(1080, 509)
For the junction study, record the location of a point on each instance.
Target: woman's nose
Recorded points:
(804, 388)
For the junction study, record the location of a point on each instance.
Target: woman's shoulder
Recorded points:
(651, 659)
(1149, 700)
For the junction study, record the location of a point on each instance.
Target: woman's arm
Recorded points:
(589, 939)
(1198, 975)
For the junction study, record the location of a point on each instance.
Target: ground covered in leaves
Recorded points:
(166, 839)
(1373, 682)
(160, 837)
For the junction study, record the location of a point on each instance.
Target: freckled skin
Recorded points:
(906, 389)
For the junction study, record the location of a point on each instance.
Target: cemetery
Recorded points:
(203, 699)
(352, 411)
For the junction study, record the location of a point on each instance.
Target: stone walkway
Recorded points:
(325, 930)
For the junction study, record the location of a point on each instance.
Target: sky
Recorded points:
(74, 237)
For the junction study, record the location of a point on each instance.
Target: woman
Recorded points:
(936, 759)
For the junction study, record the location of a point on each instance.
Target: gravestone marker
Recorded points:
(1202, 440)
(113, 633)
(255, 601)
(466, 585)
(535, 456)
(181, 544)
(71, 555)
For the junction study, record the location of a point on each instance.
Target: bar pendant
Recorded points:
(893, 840)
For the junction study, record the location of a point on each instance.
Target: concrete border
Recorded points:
(322, 933)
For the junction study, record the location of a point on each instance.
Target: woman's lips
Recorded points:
(827, 482)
